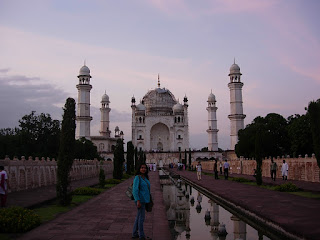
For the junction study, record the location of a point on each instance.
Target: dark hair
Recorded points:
(1, 167)
(139, 173)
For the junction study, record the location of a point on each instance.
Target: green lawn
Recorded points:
(50, 211)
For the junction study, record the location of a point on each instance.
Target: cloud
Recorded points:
(19, 97)
(4, 70)
(293, 43)
(196, 9)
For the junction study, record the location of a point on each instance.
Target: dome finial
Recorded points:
(84, 63)
(234, 60)
(158, 80)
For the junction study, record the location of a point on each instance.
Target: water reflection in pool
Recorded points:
(192, 215)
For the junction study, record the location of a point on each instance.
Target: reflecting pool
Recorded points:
(192, 215)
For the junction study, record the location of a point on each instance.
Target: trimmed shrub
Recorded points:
(287, 187)
(17, 220)
(87, 191)
(113, 181)
(240, 179)
(102, 177)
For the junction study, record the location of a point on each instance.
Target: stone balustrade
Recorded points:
(28, 173)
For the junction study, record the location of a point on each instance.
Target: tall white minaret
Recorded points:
(83, 110)
(236, 109)
(105, 110)
(212, 123)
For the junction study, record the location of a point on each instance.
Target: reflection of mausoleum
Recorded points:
(178, 208)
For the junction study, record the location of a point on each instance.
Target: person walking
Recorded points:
(284, 170)
(4, 184)
(215, 169)
(220, 166)
(199, 169)
(141, 194)
(273, 169)
(226, 167)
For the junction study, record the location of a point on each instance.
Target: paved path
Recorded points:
(307, 186)
(33, 197)
(110, 215)
(294, 214)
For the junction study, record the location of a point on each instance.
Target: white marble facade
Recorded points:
(160, 122)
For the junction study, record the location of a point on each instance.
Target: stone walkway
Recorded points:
(110, 215)
(291, 213)
(36, 196)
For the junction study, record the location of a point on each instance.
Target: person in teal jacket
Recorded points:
(141, 194)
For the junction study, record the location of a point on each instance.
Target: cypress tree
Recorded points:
(144, 157)
(314, 112)
(66, 152)
(136, 160)
(102, 178)
(118, 160)
(189, 158)
(130, 157)
(258, 152)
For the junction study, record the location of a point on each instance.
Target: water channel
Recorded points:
(188, 212)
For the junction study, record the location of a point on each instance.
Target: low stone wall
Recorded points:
(25, 174)
(304, 169)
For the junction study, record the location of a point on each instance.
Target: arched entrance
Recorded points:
(160, 137)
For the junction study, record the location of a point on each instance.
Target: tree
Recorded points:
(102, 178)
(66, 152)
(314, 112)
(130, 157)
(275, 140)
(299, 132)
(189, 158)
(204, 149)
(258, 156)
(39, 135)
(118, 160)
(185, 157)
(10, 142)
(85, 149)
(136, 159)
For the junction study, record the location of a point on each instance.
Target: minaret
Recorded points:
(105, 110)
(186, 122)
(236, 109)
(133, 123)
(212, 123)
(83, 110)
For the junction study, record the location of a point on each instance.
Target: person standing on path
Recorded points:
(4, 184)
(220, 166)
(199, 169)
(226, 167)
(284, 170)
(141, 194)
(215, 169)
(273, 169)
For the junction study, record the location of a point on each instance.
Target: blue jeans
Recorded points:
(138, 223)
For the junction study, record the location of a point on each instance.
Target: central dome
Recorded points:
(159, 102)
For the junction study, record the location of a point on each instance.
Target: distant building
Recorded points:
(160, 122)
(105, 143)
